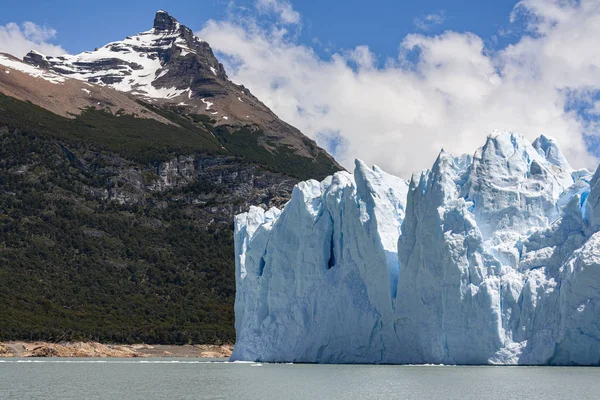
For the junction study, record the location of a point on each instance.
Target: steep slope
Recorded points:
(169, 65)
(62, 95)
(498, 263)
(116, 228)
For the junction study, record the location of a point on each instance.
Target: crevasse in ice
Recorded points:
(486, 259)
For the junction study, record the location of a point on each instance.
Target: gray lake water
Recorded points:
(186, 379)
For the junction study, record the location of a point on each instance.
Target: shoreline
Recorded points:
(25, 349)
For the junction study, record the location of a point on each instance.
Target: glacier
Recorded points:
(490, 258)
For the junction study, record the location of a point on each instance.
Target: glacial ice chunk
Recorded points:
(491, 258)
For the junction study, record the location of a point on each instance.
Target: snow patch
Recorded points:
(208, 104)
(139, 63)
(162, 73)
(31, 70)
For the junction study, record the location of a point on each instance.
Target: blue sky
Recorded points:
(337, 24)
(390, 82)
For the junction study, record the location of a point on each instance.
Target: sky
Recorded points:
(390, 82)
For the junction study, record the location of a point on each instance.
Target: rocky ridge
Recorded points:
(62, 95)
(169, 65)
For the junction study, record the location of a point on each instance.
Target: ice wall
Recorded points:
(490, 258)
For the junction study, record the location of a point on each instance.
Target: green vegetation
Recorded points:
(139, 139)
(75, 265)
(245, 143)
(146, 140)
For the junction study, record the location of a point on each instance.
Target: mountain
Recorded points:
(491, 258)
(117, 200)
(61, 95)
(169, 65)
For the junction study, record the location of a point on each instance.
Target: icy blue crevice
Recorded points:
(394, 272)
(582, 200)
(331, 261)
(519, 246)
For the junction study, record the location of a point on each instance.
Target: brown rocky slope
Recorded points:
(98, 350)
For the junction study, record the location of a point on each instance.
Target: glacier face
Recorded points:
(486, 259)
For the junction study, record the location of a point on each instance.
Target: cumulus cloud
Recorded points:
(430, 20)
(446, 90)
(18, 40)
(281, 8)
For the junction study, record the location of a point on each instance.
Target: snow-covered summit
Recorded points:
(168, 66)
(148, 64)
(496, 261)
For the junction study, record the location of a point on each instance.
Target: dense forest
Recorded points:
(94, 245)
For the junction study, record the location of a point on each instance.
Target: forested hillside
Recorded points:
(119, 229)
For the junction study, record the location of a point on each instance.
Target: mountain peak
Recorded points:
(168, 65)
(163, 21)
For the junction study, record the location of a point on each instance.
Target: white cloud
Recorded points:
(281, 8)
(18, 40)
(427, 22)
(400, 114)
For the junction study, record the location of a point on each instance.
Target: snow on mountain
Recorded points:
(62, 95)
(12, 63)
(169, 66)
(137, 64)
(486, 259)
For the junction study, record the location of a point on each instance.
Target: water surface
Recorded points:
(197, 379)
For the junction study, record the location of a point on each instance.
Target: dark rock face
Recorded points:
(164, 22)
(37, 59)
(236, 185)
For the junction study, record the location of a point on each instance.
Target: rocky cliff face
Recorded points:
(232, 186)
